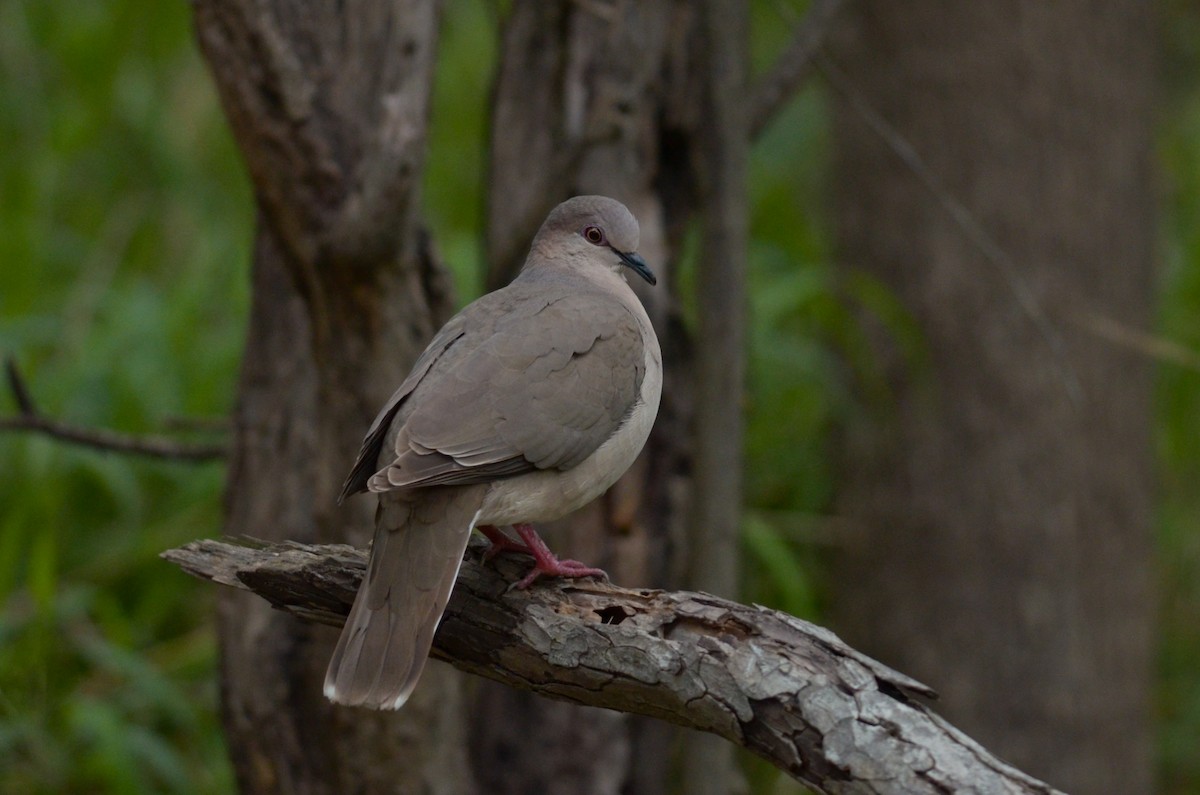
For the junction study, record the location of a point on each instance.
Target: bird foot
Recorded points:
(558, 568)
(545, 561)
(501, 542)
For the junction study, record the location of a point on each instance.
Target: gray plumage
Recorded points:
(527, 405)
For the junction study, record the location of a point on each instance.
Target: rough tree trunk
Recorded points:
(328, 104)
(612, 99)
(716, 512)
(1001, 545)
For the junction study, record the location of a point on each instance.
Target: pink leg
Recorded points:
(545, 562)
(501, 542)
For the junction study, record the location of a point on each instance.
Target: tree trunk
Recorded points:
(716, 511)
(593, 98)
(1001, 540)
(329, 107)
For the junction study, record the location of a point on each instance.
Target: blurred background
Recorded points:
(126, 223)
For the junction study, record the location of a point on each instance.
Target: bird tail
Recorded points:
(420, 537)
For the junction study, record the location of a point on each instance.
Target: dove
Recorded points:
(527, 405)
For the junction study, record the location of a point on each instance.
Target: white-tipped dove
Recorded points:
(527, 405)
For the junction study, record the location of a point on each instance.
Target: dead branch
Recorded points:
(788, 690)
(31, 420)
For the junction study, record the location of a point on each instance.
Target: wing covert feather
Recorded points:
(537, 384)
(367, 461)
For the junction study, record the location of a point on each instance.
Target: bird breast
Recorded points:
(546, 495)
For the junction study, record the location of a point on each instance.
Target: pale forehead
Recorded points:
(609, 213)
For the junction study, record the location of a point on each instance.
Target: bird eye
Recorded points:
(594, 235)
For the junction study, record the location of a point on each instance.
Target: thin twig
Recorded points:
(29, 420)
(19, 390)
(793, 66)
(197, 424)
(113, 441)
(991, 250)
(1149, 345)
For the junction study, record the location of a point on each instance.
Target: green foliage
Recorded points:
(1178, 406)
(123, 293)
(455, 168)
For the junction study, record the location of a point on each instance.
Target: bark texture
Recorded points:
(615, 99)
(785, 689)
(1002, 541)
(328, 104)
(716, 510)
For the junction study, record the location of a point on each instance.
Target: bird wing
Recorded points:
(368, 455)
(538, 379)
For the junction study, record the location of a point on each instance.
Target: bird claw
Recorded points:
(545, 562)
(572, 569)
(501, 542)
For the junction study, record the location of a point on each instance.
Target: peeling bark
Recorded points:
(788, 690)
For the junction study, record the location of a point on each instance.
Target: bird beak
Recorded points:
(637, 265)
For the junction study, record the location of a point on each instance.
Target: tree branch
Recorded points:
(783, 688)
(31, 420)
(793, 66)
